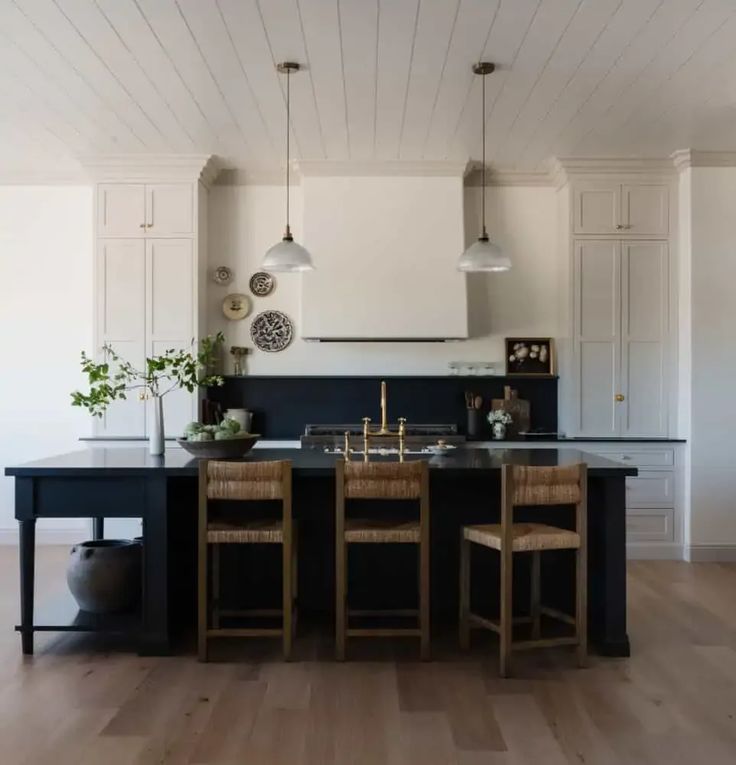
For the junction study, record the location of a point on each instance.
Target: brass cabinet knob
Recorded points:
(143, 225)
(620, 397)
(619, 226)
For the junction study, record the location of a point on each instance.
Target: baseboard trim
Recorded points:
(48, 536)
(655, 551)
(711, 553)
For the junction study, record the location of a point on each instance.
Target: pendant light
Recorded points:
(484, 255)
(287, 255)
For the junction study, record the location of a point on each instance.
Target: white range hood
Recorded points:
(385, 240)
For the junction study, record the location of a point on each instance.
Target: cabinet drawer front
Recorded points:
(651, 489)
(642, 458)
(650, 525)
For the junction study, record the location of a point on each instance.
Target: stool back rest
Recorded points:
(382, 480)
(244, 481)
(523, 485)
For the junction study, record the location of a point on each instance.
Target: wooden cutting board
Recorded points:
(519, 409)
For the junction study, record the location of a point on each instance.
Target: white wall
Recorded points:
(45, 321)
(246, 220)
(713, 348)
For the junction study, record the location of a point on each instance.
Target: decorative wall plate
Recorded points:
(271, 331)
(261, 283)
(236, 306)
(222, 275)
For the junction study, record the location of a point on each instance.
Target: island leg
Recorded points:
(155, 607)
(27, 530)
(607, 565)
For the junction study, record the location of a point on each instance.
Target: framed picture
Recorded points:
(530, 356)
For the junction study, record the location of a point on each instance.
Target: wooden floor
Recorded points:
(673, 702)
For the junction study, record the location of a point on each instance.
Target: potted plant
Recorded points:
(499, 420)
(114, 377)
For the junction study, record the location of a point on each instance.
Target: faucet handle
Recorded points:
(366, 423)
(402, 426)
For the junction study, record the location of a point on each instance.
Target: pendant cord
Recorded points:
(288, 123)
(483, 167)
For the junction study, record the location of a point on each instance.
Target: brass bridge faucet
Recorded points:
(384, 431)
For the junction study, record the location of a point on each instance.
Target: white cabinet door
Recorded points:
(645, 209)
(644, 333)
(121, 209)
(170, 308)
(597, 336)
(121, 295)
(597, 209)
(169, 209)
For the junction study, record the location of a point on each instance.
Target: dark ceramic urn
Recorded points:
(104, 575)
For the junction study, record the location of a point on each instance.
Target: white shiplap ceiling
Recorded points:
(384, 79)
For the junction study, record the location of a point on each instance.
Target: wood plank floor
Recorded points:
(673, 702)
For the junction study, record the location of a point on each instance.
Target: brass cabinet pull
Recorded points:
(620, 397)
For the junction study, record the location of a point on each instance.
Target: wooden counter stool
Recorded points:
(244, 481)
(530, 486)
(381, 481)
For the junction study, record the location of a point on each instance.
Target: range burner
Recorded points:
(417, 436)
(429, 431)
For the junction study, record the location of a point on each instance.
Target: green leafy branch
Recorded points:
(114, 377)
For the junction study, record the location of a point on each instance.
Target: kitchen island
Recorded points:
(464, 488)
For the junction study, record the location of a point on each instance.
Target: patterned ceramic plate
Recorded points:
(271, 331)
(261, 284)
(236, 306)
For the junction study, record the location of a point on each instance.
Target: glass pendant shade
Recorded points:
(484, 255)
(287, 256)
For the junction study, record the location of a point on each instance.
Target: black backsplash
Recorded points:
(282, 406)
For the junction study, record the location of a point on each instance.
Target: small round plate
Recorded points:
(222, 275)
(261, 284)
(236, 306)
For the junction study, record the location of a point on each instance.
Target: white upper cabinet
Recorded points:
(597, 209)
(121, 209)
(137, 210)
(169, 209)
(639, 209)
(645, 209)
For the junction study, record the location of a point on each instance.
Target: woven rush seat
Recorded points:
(526, 537)
(375, 530)
(246, 532)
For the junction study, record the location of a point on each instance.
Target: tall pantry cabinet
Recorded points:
(150, 234)
(617, 244)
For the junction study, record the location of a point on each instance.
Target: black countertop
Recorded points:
(306, 462)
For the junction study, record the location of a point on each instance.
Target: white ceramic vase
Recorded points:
(499, 431)
(156, 445)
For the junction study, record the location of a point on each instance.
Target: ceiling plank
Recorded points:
(584, 31)
(397, 27)
(510, 28)
(469, 42)
(136, 34)
(282, 26)
(358, 21)
(321, 30)
(434, 34)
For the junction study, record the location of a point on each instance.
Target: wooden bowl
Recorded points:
(229, 448)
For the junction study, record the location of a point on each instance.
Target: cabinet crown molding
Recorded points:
(685, 158)
(422, 168)
(152, 167)
(565, 169)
